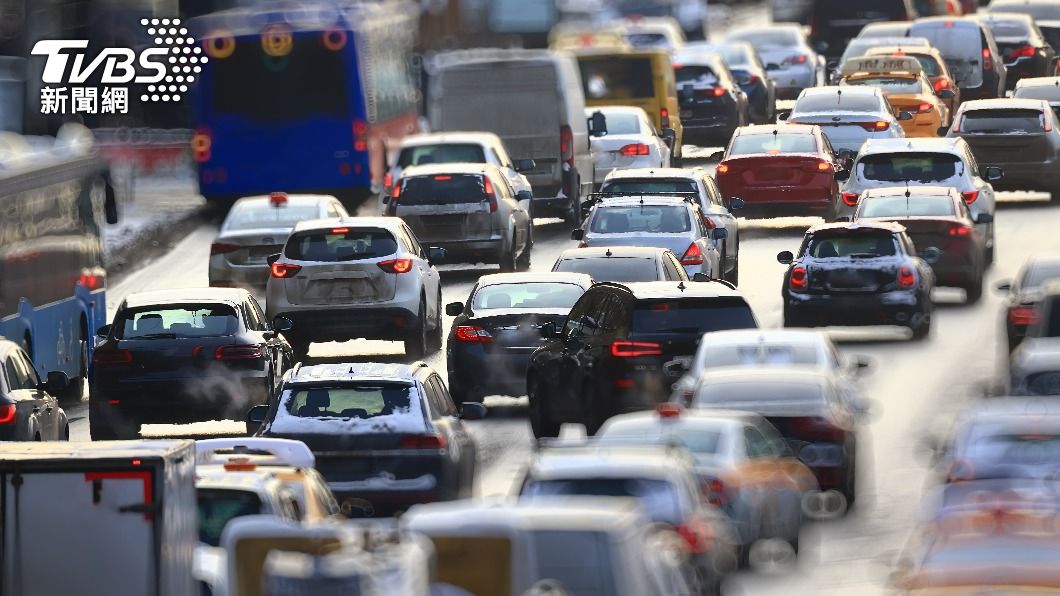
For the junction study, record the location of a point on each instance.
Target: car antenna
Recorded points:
(681, 286)
(608, 253)
(907, 197)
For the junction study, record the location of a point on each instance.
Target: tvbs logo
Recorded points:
(118, 63)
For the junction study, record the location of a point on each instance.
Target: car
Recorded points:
(933, 65)
(924, 162)
(470, 210)
(622, 263)
(1022, 45)
(532, 544)
(664, 482)
(1024, 292)
(907, 89)
(941, 227)
(782, 169)
(29, 407)
(185, 355)
(609, 356)
(857, 274)
(1020, 136)
(456, 147)
(806, 407)
(570, 35)
(1034, 365)
(629, 141)
(790, 60)
(761, 348)
(836, 22)
(653, 32)
(673, 223)
(1046, 15)
(496, 330)
(970, 52)
(257, 227)
(747, 70)
(1045, 88)
(712, 103)
(861, 46)
(848, 116)
(885, 29)
(357, 277)
(385, 436)
(745, 466)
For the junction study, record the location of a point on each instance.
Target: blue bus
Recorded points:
(303, 99)
(52, 281)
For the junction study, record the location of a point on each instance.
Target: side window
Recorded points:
(27, 374)
(14, 380)
(775, 444)
(578, 312)
(755, 443)
(671, 267)
(255, 319)
(446, 407)
(713, 191)
(502, 162)
(827, 145)
(506, 188)
(970, 163)
(414, 243)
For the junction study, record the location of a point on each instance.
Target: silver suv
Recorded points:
(357, 277)
(471, 210)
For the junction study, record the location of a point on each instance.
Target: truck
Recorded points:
(115, 518)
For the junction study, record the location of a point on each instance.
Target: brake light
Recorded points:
(396, 265)
(111, 357)
(850, 199)
(709, 223)
(697, 534)
(443, 178)
(692, 256)
(1026, 51)
(220, 248)
(959, 230)
(340, 230)
(201, 143)
(492, 196)
(906, 277)
(7, 413)
(388, 180)
(632, 349)
(634, 149)
(360, 136)
(284, 270)
(277, 199)
(719, 91)
(91, 281)
(237, 352)
(796, 59)
(798, 279)
(924, 108)
(970, 196)
(396, 193)
(472, 334)
(714, 490)
(881, 125)
(240, 464)
(988, 60)
(1024, 316)
(664, 117)
(824, 166)
(1047, 123)
(437, 441)
(722, 169)
(669, 410)
(941, 84)
(566, 145)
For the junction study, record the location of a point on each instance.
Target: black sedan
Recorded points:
(1023, 47)
(177, 356)
(749, 73)
(494, 334)
(29, 410)
(1023, 294)
(857, 274)
(712, 104)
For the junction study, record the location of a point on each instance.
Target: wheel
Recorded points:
(75, 392)
(416, 342)
(974, 291)
(300, 349)
(105, 428)
(540, 423)
(733, 276)
(923, 330)
(434, 338)
(990, 255)
(507, 261)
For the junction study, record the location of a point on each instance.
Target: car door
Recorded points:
(575, 365)
(503, 161)
(259, 328)
(22, 378)
(428, 272)
(456, 430)
(520, 218)
(723, 219)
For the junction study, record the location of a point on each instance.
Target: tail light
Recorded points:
(7, 413)
(237, 352)
(821, 166)
(388, 180)
(988, 60)
(437, 441)
(396, 265)
(877, 126)
(924, 108)
(960, 230)
(941, 84)
(1047, 123)
(796, 59)
(634, 149)
(970, 196)
(566, 145)
(277, 199)
(722, 169)
(664, 117)
(472, 334)
(906, 277)
(697, 534)
(360, 136)
(1024, 316)
(850, 199)
(719, 91)
(692, 256)
(798, 279)
(669, 410)
(714, 491)
(1024, 51)
(487, 186)
(92, 279)
(815, 428)
(632, 349)
(201, 144)
(111, 357)
(284, 270)
(221, 248)
(583, 244)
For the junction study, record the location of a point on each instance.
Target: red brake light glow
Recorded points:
(988, 60)
(941, 84)
(490, 194)
(632, 349)
(1047, 123)
(340, 230)
(714, 490)
(882, 125)
(924, 108)
(634, 149)
(959, 230)
(360, 136)
(237, 352)
(437, 441)
(201, 142)
(220, 248)
(284, 270)
(664, 117)
(1024, 316)
(442, 178)
(111, 357)
(1025, 51)
(277, 199)
(388, 180)
(472, 334)
(7, 413)
(850, 199)
(824, 166)
(669, 410)
(91, 281)
(692, 256)
(970, 196)
(798, 280)
(396, 265)
(906, 277)
(566, 145)
(722, 169)
(719, 91)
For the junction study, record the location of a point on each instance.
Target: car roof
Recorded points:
(182, 295)
(1014, 103)
(260, 479)
(635, 199)
(885, 226)
(434, 138)
(1039, 82)
(480, 56)
(387, 223)
(598, 460)
(292, 199)
(891, 191)
(915, 145)
(690, 416)
(772, 374)
(679, 289)
(834, 89)
(682, 173)
(773, 336)
(945, 21)
(601, 252)
(474, 517)
(1005, 16)
(448, 168)
(581, 279)
(785, 128)
(358, 371)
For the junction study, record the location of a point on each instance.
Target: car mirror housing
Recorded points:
(256, 417)
(436, 254)
(282, 324)
(524, 195)
(931, 255)
(577, 234)
(994, 173)
(736, 203)
(904, 116)
(471, 410)
(700, 276)
(984, 218)
(525, 165)
(271, 259)
(716, 156)
(453, 309)
(719, 234)
(785, 257)
(946, 94)
(57, 382)
(103, 331)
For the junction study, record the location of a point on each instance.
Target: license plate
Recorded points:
(260, 252)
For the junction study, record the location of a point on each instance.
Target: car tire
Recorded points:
(434, 338)
(990, 255)
(507, 261)
(733, 276)
(111, 430)
(416, 341)
(75, 392)
(299, 349)
(923, 330)
(974, 291)
(540, 422)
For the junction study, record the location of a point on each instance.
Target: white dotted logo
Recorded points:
(182, 63)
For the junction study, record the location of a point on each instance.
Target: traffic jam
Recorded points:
(458, 305)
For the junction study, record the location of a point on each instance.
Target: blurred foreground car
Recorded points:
(629, 141)
(1024, 292)
(790, 61)
(1034, 365)
(29, 408)
(848, 116)
(1046, 88)
(622, 264)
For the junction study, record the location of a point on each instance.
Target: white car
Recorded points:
(654, 32)
(790, 61)
(630, 142)
(848, 116)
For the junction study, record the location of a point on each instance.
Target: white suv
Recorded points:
(357, 278)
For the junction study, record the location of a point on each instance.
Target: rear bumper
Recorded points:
(478, 373)
(886, 308)
(342, 324)
(176, 401)
(393, 484)
(226, 275)
(795, 201)
(473, 251)
(955, 270)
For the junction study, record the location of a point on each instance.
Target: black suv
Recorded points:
(622, 347)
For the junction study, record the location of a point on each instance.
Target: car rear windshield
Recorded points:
(590, 571)
(176, 321)
(217, 507)
(441, 153)
(248, 216)
(957, 43)
(616, 77)
(648, 219)
(845, 243)
(362, 400)
(650, 185)
(619, 123)
(1051, 328)
(648, 40)
(835, 102)
(691, 315)
(760, 354)
(1039, 11)
(769, 38)
(700, 441)
(340, 244)
(1046, 92)
(912, 167)
(1019, 29)
(745, 394)
(913, 206)
(529, 295)
(1004, 121)
(613, 268)
(773, 144)
(659, 498)
(898, 85)
(699, 76)
(1038, 274)
(877, 10)
(443, 189)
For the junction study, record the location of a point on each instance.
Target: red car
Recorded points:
(785, 169)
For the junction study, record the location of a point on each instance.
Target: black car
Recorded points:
(857, 274)
(29, 410)
(970, 52)
(177, 356)
(1023, 294)
(833, 23)
(712, 104)
(1046, 15)
(622, 263)
(385, 436)
(1022, 45)
(498, 328)
(747, 70)
(618, 350)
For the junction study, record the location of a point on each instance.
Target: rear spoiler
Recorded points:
(266, 451)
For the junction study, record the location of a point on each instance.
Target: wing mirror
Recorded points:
(524, 195)
(453, 309)
(700, 276)
(1004, 286)
(525, 165)
(772, 66)
(436, 255)
(785, 257)
(904, 116)
(984, 218)
(736, 203)
(103, 331)
(550, 331)
(994, 173)
(57, 382)
(719, 234)
(272, 259)
(471, 410)
(256, 417)
(597, 124)
(931, 255)
(282, 324)
(943, 131)
(577, 234)
(669, 136)
(676, 368)
(716, 156)
(946, 94)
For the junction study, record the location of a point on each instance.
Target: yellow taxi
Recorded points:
(902, 80)
(934, 66)
(577, 36)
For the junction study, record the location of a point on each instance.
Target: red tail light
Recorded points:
(970, 196)
(237, 352)
(988, 60)
(692, 256)
(941, 84)
(396, 265)
(714, 491)
(821, 166)
(722, 169)
(437, 441)
(798, 279)
(7, 413)
(669, 410)
(664, 117)
(487, 186)
(220, 248)
(924, 108)
(906, 277)
(1047, 123)
(718, 91)
(284, 270)
(850, 199)
(388, 180)
(876, 126)
(1024, 316)
(796, 59)
(472, 334)
(959, 230)
(632, 349)
(201, 144)
(360, 136)
(566, 145)
(92, 281)
(634, 149)
(1026, 51)
(277, 199)
(697, 534)
(111, 357)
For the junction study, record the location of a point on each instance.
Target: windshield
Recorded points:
(691, 316)
(613, 268)
(773, 144)
(1019, 29)
(441, 153)
(530, 295)
(442, 189)
(896, 85)
(659, 498)
(911, 167)
(619, 123)
(844, 244)
(913, 206)
(340, 244)
(217, 507)
(615, 77)
(697, 439)
(1002, 122)
(647, 219)
(649, 185)
(580, 561)
(759, 354)
(837, 102)
(177, 321)
(776, 38)
(700, 76)
(261, 214)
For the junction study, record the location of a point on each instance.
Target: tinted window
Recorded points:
(531, 295)
(613, 268)
(834, 102)
(1002, 121)
(695, 75)
(652, 219)
(340, 244)
(1008, 28)
(691, 315)
(745, 394)
(1038, 274)
(700, 441)
(649, 185)
(913, 206)
(261, 214)
(364, 400)
(913, 167)
(20, 373)
(217, 507)
(779, 143)
(930, 66)
(615, 77)
(622, 124)
(879, 10)
(1040, 11)
(1048, 93)
(441, 153)
(173, 321)
(579, 561)
(841, 244)
(443, 189)
(957, 45)
(660, 499)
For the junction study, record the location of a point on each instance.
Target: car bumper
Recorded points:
(375, 484)
(1025, 176)
(603, 168)
(791, 82)
(804, 202)
(176, 401)
(478, 372)
(955, 270)
(473, 251)
(223, 274)
(886, 308)
(342, 324)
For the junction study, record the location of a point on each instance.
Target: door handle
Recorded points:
(36, 409)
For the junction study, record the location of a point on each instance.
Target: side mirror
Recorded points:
(1004, 286)
(861, 364)
(669, 136)
(57, 382)
(525, 165)
(782, 116)
(984, 218)
(103, 331)
(785, 257)
(946, 94)
(256, 417)
(272, 258)
(436, 255)
(470, 410)
(904, 116)
(597, 124)
(282, 324)
(453, 309)
(716, 156)
(842, 218)
(943, 131)
(736, 203)
(524, 195)
(700, 276)
(994, 173)
(676, 368)
(931, 255)
(577, 234)
(832, 64)
(719, 234)
(110, 203)
(842, 175)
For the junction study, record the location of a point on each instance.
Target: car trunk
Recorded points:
(171, 358)
(255, 245)
(341, 283)
(607, 151)
(853, 275)
(676, 243)
(1008, 146)
(354, 457)
(447, 208)
(770, 171)
(516, 333)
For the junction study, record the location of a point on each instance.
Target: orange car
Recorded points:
(933, 65)
(903, 82)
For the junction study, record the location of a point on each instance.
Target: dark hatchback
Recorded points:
(749, 73)
(1022, 45)
(385, 436)
(177, 356)
(1046, 15)
(620, 348)
(857, 274)
(496, 331)
(712, 104)
(1024, 293)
